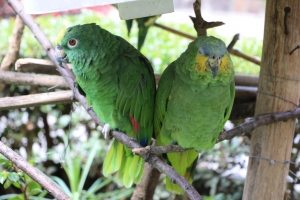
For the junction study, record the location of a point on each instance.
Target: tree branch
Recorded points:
(145, 189)
(65, 96)
(233, 51)
(245, 56)
(14, 45)
(121, 137)
(245, 128)
(33, 172)
(235, 38)
(200, 24)
(35, 65)
(33, 79)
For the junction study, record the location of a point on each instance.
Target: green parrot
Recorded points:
(193, 101)
(119, 84)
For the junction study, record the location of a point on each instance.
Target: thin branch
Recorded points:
(233, 51)
(235, 38)
(252, 123)
(200, 24)
(9, 77)
(176, 32)
(121, 137)
(33, 172)
(294, 49)
(14, 45)
(245, 56)
(65, 96)
(240, 130)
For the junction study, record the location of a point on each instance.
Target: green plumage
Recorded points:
(119, 84)
(194, 100)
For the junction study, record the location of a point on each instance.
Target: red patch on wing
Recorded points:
(135, 124)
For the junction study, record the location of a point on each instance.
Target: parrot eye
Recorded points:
(72, 43)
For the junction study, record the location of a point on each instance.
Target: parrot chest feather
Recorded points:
(196, 114)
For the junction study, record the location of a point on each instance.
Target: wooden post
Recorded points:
(279, 90)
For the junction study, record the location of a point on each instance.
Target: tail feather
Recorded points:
(114, 158)
(183, 163)
(132, 170)
(121, 160)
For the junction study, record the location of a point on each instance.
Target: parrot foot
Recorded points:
(106, 131)
(141, 150)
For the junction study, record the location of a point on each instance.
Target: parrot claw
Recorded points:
(106, 131)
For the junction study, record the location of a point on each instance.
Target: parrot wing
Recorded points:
(162, 98)
(136, 93)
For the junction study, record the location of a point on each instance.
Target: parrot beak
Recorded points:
(214, 64)
(214, 70)
(61, 56)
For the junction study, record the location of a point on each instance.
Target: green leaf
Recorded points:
(17, 184)
(3, 176)
(7, 184)
(14, 177)
(62, 184)
(34, 188)
(73, 169)
(87, 166)
(97, 185)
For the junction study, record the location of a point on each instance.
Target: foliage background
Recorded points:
(62, 141)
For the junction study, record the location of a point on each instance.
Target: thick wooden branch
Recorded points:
(14, 45)
(36, 65)
(33, 172)
(121, 137)
(65, 96)
(145, 189)
(20, 78)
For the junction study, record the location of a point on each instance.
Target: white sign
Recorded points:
(128, 9)
(144, 8)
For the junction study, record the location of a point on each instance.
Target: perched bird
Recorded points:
(119, 84)
(143, 27)
(193, 101)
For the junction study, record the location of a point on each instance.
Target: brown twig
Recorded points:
(294, 49)
(14, 45)
(240, 130)
(33, 79)
(33, 172)
(176, 32)
(200, 24)
(245, 56)
(191, 37)
(121, 137)
(145, 189)
(65, 96)
(235, 38)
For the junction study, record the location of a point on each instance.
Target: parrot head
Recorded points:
(80, 42)
(212, 56)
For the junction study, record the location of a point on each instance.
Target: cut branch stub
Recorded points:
(200, 24)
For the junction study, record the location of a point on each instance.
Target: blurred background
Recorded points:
(63, 142)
